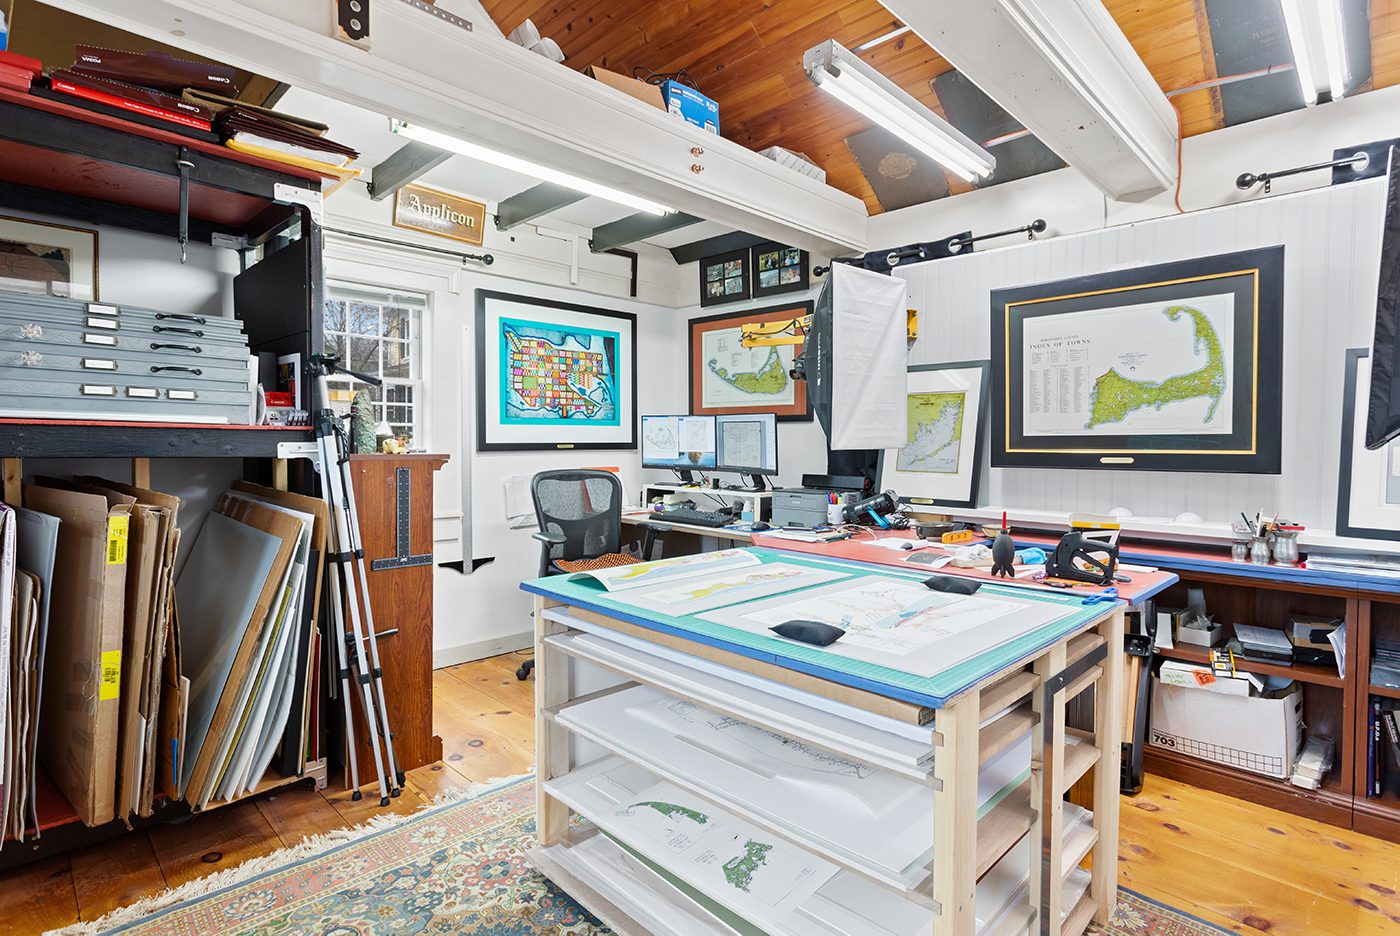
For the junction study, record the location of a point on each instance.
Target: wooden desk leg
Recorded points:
(141, 473)
(13, 489)
(1047, 772)
(551, 740)
(1108, 730)
(955, 818)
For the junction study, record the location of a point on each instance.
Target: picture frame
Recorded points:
(943, 467)
(44, 259)
(1170, 367)
(1368, 486)
(728, 378)
(776, 269)
(533, 356)
(725, 278)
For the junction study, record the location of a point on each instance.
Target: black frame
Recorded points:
(482, 295)
(755, 271)
(742, 256)
(1344, 524)
(979, 441)
(1255, 277)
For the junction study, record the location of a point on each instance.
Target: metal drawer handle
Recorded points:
(176, 347)
(181, 331)
(188, 370)
(183, 318)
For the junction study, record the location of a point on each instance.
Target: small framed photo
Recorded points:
(725, 278)
(779, 270)
(43, 259)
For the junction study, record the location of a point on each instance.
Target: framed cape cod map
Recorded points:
(726, 377)
(553, 375)
(1171, 367)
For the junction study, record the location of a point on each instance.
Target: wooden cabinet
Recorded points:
(394, 498)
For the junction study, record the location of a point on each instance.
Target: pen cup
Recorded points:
(833, 513)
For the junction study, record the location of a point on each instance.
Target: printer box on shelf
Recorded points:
(692, 106)
(1258, 735)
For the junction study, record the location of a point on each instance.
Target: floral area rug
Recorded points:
(454, 868)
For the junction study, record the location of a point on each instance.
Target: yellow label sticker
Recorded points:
(111, 671)
(116, 540)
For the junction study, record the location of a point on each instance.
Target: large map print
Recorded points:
(552, 374)
(935, 433)
(1162, 368)
(737, 376)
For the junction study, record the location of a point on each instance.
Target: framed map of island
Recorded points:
(726, 377)
(553, 375)
(1173, 367)
(941, 465)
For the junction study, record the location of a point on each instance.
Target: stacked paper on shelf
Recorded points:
(1264, 644)
(1313, 764)
(1379, 565)
(36, 543)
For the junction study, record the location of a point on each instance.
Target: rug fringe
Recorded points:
(309, 847)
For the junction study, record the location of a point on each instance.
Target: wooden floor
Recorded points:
(1242, 867)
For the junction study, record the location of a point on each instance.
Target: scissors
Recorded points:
(1108, 594)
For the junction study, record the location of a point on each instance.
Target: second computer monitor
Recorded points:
(679, 442)
(747, 443)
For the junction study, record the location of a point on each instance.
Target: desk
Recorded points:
(967, 713)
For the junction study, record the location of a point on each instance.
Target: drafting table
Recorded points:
(968, 712)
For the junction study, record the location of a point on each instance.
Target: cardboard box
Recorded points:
(1258, 735)
(636, 87)
(690, 105)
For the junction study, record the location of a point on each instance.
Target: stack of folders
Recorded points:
(1264, 645)
(247, 602)
(261, 134)
(1313, 764)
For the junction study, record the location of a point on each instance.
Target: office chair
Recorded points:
(580, 517)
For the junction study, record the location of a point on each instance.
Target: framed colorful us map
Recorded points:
(726, 377)
(553, 375)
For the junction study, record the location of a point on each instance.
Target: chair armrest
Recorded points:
(652, 527)
(550, 538)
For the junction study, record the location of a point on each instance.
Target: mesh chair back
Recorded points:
(585, 506)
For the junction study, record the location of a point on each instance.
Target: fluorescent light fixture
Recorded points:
(1318, 38)
(525, 167)
(843, 75)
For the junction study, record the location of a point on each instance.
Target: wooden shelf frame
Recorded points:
(965, 847)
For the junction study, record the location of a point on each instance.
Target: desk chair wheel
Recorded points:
(524, 672)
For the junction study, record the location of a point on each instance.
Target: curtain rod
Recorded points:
(464, 257)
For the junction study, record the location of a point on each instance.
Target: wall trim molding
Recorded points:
(480, 649)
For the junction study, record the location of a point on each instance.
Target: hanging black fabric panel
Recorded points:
(1383, 413)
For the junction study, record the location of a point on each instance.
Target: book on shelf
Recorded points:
(157, 70)
(131, 98)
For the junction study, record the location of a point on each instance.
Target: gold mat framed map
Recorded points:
(726, 377)
(1171, 367)
(941, 465)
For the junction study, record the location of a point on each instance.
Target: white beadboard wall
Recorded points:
(1331, 238)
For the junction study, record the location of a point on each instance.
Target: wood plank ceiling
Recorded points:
(747, 56)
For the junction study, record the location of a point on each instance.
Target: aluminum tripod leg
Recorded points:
(338, 616)
(371, 637)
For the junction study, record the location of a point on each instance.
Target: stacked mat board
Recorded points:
(66, 359)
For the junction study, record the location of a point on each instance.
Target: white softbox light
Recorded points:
(869, 374)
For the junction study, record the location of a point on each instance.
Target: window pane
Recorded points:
(397, 323)
(335, 315)
(399, 414)
(335, 344)
(364, 318)
(397, 362)
(364, 356)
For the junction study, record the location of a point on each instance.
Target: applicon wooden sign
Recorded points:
(433, 212)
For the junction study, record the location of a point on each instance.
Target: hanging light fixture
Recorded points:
(843, 75)
(525, 167)
(1318, 38)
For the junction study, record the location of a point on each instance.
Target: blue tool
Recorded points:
(1108, 594)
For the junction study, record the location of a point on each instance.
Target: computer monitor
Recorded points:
(682, 443)
(748, 443)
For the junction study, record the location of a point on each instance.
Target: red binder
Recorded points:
(136, 100)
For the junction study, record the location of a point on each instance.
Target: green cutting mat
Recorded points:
(933, 691)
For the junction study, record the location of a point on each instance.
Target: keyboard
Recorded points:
(705, 518)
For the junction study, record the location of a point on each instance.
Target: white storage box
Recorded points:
(786, 157)
(1258, 735)
(1191, 676)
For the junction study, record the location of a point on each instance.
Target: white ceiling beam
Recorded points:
(1065, 70)
(490, 91)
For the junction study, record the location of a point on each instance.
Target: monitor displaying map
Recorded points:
(748, 443)
(682, 442)
(1171, 367)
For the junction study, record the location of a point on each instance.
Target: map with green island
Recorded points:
(740, 869)
(672, 811)
(935, 433)
(1115, 396)
(771, 378)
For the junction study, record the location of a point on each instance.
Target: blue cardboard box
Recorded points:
(685, 102)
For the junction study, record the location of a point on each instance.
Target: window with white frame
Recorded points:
(378, 333)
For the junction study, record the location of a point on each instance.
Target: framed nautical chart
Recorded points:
(941, 465)
(1174, 367)
(726, 377)
(553, 375)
